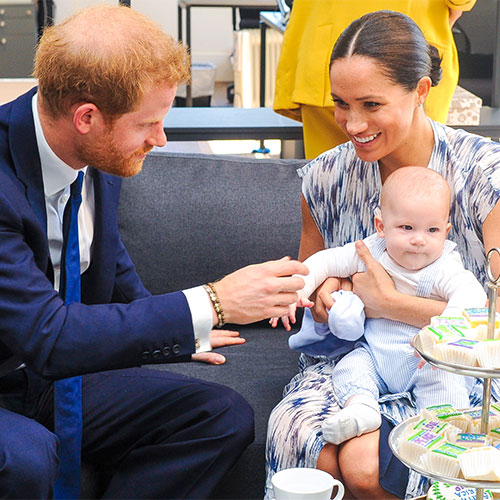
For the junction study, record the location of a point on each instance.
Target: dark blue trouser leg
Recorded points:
(169, 436)
(28, 457)
(161, 434)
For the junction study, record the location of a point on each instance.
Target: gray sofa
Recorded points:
(187, 219)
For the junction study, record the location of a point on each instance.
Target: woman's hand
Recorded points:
(218, 338)
(322, 297)
(377, 291)
(375, 287)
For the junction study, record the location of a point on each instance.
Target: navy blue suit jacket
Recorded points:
(119, 323)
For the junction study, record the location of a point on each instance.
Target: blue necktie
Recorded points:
(68, 392)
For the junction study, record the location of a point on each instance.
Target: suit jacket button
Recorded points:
(166, 351)
(156, 354)
(176, 348)
(146, 355)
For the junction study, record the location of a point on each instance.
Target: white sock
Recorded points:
(360, 416)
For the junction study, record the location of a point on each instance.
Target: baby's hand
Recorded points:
(304, 302)
(287, 319)
(274, 321)
(422, 362)
(290, 319)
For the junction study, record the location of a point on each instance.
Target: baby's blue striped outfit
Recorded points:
(384, 362)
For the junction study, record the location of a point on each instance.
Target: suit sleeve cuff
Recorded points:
(201, 315)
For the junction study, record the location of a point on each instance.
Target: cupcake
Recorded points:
(475, 415)
(446, 413)
(458, 322)
(479, 316)
(480, 464)
(460, 352)
(432, 336)
(494, 434)
(443, 459)
(445, 429)
(413, 447)
(471, 440)
(488, 353)
(480, 332)
(438, 410)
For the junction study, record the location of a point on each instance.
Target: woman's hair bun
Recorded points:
(436, 70)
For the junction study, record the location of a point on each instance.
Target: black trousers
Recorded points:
(162, 435)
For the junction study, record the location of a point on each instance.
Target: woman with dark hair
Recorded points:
(302, 78)
(381, 71)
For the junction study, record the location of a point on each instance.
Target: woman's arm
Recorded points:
(491, 237)
(377, 291)
(311, 242)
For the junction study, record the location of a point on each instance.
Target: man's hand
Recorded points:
(260, 291)
(374, 287)
(218, 338)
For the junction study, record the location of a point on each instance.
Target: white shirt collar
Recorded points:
(56, 174)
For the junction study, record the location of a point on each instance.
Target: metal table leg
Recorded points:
(189, 94)
(179, 23)
(263, 29)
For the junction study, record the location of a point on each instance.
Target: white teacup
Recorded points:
(305, 484)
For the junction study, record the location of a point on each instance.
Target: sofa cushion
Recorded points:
(187, 219)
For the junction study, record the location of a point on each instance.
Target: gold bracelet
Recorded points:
(212, 293)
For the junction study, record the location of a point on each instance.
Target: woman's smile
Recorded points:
(375, 113)
(366, 139)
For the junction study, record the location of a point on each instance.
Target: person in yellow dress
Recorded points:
(302, 79)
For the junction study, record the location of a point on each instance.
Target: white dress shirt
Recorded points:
(57, 179)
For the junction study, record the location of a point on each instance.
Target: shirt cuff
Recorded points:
(201, 315)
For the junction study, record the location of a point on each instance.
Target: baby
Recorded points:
(410, 243)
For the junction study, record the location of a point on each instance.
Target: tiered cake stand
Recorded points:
(486, 374)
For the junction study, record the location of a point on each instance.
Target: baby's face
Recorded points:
(414, 230)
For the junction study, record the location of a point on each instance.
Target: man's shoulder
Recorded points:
(16, 114)
(21, 104)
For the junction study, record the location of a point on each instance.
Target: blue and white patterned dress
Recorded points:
(343, 193)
